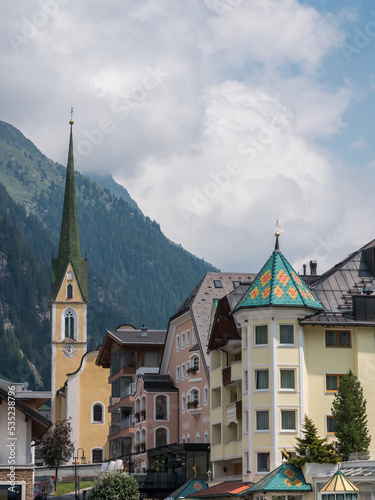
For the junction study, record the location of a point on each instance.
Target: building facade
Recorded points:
(79, 387)
(280, 350)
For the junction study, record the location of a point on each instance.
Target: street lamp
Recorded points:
(75, 458)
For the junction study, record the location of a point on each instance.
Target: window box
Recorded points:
(192, 404)
(136, 415)
(192, 369)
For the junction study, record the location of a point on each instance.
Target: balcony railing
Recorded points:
(113, 400)
(227, 375)
(231, 410)
(129, 390)
(114, 429)
(127, 422)
(239, 409)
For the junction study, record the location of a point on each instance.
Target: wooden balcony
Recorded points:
(239, 409)
(227, 375)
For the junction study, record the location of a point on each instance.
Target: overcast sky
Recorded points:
(218, 116)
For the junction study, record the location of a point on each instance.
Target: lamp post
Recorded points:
(75, 458)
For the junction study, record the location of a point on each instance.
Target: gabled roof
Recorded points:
(188, 488)
(278, 285)
(199, 304)
(285, 478)
(336, 288)
(338, 482)
(39, 424)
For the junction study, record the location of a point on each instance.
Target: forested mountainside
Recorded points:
(136, 274)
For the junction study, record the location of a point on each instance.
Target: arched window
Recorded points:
(69, 325)
(188, 437)
(97, 413)
(137, 441)
(69, 291)
(197, 437)
(137, 412)
(161, 437)
(195, 362)
(206, 437)
(193, 399)
(143, 408)
(143, 440)
(183, 402)
(161, 408)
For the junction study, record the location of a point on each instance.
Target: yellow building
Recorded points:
(80, 389)
(277, 354)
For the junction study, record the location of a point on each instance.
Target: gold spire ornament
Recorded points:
(71, 115)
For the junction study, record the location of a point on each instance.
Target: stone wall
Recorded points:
(21, 475)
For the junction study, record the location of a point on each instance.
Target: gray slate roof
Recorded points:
(130, 336)
(335, 289)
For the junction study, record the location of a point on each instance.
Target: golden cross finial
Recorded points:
(71, 115)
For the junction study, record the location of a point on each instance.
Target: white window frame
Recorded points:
(281, 420)
(256, 371)
(183, 371)
(255, 422)
(177, 343)
(177, 373)
(187, 338)
(97, 422)
(287, 389)
(268, 462)
(255, 335)
(294, 335)
(183, 340)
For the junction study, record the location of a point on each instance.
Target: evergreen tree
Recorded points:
(311, 448)
(56, 446)
(349, 410)
(116, 486)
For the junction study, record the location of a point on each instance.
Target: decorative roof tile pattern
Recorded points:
(227, 488)
(338, 482)
(284, 478)
(278, 284)
(188, 488)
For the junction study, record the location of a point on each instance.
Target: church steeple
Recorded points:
(69, 247)
(69, 237)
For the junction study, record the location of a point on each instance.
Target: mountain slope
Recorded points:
(136, 275)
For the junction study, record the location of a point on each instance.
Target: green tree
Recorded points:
(311, 448)
(56, 446)
(349, 410)
(116, 486)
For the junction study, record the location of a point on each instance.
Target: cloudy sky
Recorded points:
(218, 116)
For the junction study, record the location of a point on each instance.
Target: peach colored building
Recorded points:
(129, 353)
(185, 356)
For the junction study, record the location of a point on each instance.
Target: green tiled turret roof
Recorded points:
(69, 248)
(285, 478)
(278, 284)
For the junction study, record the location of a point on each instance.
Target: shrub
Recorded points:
(115, 486)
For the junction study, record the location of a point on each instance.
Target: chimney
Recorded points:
(144, 331)
(313, 266)
(304, 269)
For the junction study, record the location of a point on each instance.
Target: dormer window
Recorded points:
(218, 284)
(69, 291)
(69, 276)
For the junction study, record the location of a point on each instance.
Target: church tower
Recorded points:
(68, 294)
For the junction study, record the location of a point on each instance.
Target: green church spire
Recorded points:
(69, 237)
(69, 247)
